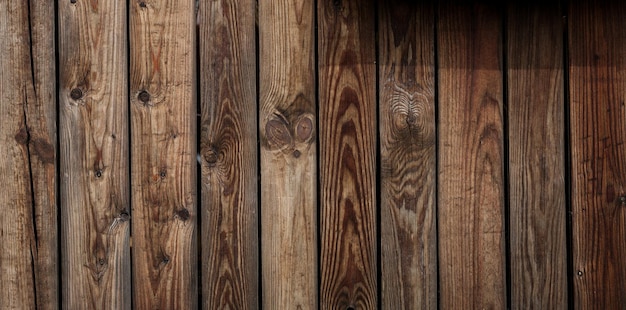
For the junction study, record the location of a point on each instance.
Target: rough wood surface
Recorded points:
(347, 125)
(536, 156)
(597, 49)
(407, 142)
(471, 183)
(93, 132)
(163, 152)
(228, 148)
(288, 154)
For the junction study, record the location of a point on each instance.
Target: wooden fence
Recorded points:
(307, 154)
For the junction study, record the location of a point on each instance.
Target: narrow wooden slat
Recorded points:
(536, 155)
(471, 184)
(597, 48)
(287, 124)
(228, 146)
(94, 154)
(163, 152)
(347, 87)
(407, 138)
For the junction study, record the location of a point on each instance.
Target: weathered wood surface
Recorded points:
(597, 49)
(93, 133)
(534, 54)
(347, 124)
(228, 149)
(471, 182)
(287, 124)
(163, 152)
(28, 215)
(407, 146)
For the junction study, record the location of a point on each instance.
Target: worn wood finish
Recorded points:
(597, 49)
(471, 184)
(287, 124)
(93, 133)
(536, 156)
(163, 126)
(228, 148)
(407, 143)
(347, 125)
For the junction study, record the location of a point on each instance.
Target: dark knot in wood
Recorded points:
(277, 133)
(183, 214)
(144, 96)
(76, 93)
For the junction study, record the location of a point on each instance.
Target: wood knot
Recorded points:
(277, 133)
(124, 216)
(142, 4)
(210, 155)
(76, 93)
(22, 136)
(304, 128)
(144, 97)
(183, 214)
(296, 154)
(44, 150)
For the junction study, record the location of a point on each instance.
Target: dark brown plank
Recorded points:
(471, 184)
(347, 125)
(536, 155)
(93, 134)
(407, 139)
(228, 148)
(163, 127)
(597, 48)
(287, 124)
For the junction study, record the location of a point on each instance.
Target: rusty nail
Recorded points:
(622, 200)
(163, 174)
(144, 96)
(580, 273)
(76, 93)
(98, 173)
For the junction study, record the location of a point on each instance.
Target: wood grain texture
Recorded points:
(597, 49)
(228, 148)
(288, 154)
(347, 85)
(407, 142)
(163, 152)
(536, 156)
(471, 184)
(93, 133)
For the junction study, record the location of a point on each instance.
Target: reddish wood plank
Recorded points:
(228, 146)
(597, 48)
(347, 154)
(407, 138)
(93, 134)
(471, 184)
(288, 154)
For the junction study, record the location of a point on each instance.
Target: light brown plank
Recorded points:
(163, 121)
(471, 184)
(597, 49)
(228, 146)
(536, 156)
(407, 142)
(288, 154)
(94, 155)
(347, 86)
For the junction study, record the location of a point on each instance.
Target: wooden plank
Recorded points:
(347, 125)
(94, 155)
(536, 155)
(597, 49)
(407, 142)
(163, 166)
(287, 124)
(471, 184)
(28, 259)
(228, 146)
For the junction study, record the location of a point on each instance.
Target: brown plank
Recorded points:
(163, 166)
(347, 125)
(471, 184)
(288, 154)
(93, 134)
(407, 142)
(597, 49)
(536, 155)
(228, 146)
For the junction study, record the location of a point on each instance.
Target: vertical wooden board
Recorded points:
(471, 184)
(288, 154)
(536, 155)
(597, 49)
(228, 146)
(93, 133)
(407, 142)
(163, 152)
(347, 87)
